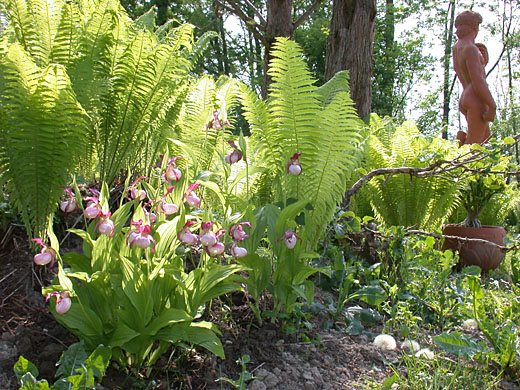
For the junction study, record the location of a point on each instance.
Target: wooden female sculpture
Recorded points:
(469, 59)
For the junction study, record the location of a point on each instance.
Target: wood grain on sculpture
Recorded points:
(469, 60)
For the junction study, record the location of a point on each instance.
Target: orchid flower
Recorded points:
(150, 215)
(207, 237)
(93, 208)
(238, 252)
(293, 165)
(105, 225)
(186, 236)
(191, 197)
(69, 204)
(218, 247)
(165, 207)
(235, 155)
(237, 231)
(133, 191)
(290, 238)
(63, 301)
(47, 254)
(141, 236)
(216, 123)
(172, 173)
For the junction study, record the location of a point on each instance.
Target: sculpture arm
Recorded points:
(479, 84)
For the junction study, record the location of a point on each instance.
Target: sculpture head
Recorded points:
(467, 22)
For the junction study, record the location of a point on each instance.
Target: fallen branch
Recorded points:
(438, 168)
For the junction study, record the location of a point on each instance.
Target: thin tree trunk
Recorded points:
(387, 85)
(349, 46)
(448, 42)
(279, 24)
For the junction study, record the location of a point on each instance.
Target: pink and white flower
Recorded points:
(93, 209)
(166, 207)
(238, 252)
(47, 254)
(293, 165)
(172, 173)
(69, 204)
(218, 247)
(186, 236)
(63, 301)
(135, 192)
(105, 225)
(235, 155)
(140, 236)
(191, 197)
(291, 238)
(207, 237)
(237, 231)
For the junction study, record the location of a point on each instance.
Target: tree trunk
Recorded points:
(448, 42)
(279, 24)
(349, 47)
(388, 77)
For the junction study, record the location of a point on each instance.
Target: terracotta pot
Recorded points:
(475, 253)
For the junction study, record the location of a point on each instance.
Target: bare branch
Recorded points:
(257, 13)
(307, 13)
(251, 24)
(438, 168)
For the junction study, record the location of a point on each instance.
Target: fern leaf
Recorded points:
(45, 131)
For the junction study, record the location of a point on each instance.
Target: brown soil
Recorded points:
(333, 361)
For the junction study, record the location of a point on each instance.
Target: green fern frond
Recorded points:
(43, 134)
(332, 162)
(195, 117)
(22, 23)
(65, 44)
(404, 200)
(338, 84)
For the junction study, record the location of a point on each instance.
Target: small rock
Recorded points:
(257, 385)
(309, 386)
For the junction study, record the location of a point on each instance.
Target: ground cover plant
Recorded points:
(193, 242)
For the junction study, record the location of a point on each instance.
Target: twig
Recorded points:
(436, 168)
(463, 239)
(6, 276)
(73, 226)
(444, 236)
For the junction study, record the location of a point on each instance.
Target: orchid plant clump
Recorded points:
(130, 289)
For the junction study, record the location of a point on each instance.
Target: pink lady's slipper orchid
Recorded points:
(172, 173)
(63, 301)
(186, 236)
(191, 197)
(218, 247)
(293, 165)
(165, 207)
(105, 225)
(235, 155)
(149, 215)
(237, 231)
(69, 205)
(290, 238)
(216, 123)
(141, 236)
(47, 254)
(134, 192)
(93, 208)
(238, 252)
(207, 237)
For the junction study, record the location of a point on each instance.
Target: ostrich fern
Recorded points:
(401, 200)
(298, 117)
(42, 132)
(125, 83)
